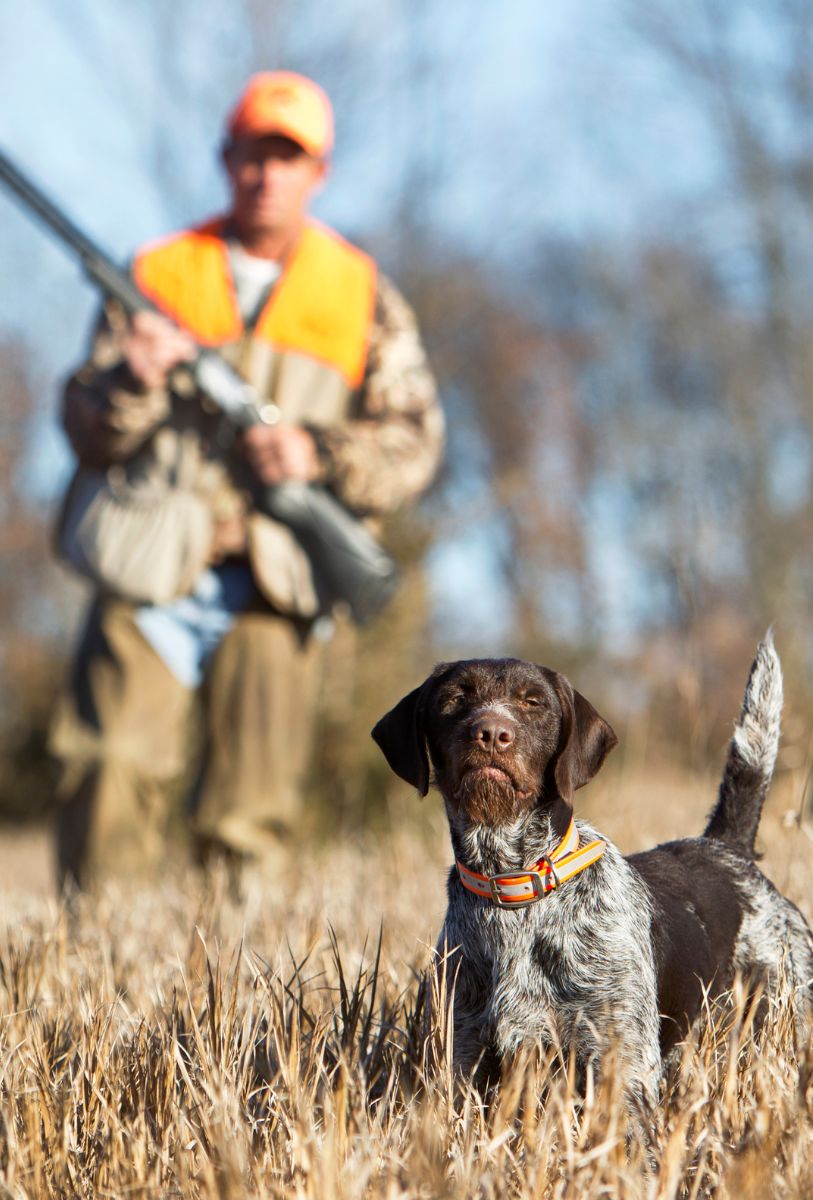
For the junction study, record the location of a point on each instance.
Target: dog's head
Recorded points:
(501, 735)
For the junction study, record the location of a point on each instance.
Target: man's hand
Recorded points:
(278, 453)
(152, 346)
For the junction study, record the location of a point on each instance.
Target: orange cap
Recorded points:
(286, 103)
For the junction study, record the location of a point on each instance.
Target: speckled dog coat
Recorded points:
(622, 952)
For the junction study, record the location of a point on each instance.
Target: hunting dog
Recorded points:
(555, 937)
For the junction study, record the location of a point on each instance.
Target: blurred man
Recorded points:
(333, 348)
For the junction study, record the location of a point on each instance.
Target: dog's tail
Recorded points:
(751, 754)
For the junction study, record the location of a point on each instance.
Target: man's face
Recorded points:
(272, 180)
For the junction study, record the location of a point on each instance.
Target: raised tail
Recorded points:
(751, 754)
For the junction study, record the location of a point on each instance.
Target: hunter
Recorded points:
(223, 611)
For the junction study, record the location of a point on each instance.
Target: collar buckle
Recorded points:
(536, 881)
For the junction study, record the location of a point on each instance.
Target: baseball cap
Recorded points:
(285, 103)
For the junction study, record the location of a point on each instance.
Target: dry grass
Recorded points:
(167, 1042)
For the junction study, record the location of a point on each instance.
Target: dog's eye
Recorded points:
(455, 701)
(533, 701)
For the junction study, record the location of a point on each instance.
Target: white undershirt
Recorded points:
(253, 279)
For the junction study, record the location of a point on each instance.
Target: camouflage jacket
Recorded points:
(383, 451)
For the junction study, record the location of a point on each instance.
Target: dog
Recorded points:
(555, 937)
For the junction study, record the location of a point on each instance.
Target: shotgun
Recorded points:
(348, 563)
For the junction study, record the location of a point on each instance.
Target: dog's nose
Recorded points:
(492, 733)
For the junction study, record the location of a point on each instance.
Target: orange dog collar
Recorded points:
(526, 887)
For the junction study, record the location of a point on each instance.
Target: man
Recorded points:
(333, 349)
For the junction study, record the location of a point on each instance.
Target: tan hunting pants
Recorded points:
(123, 736)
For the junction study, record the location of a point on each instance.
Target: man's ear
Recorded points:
(322, 174)
(585, 739)
(401, 734)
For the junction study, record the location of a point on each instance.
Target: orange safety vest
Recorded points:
(322, 306)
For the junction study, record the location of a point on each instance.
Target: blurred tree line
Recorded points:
(630, 461)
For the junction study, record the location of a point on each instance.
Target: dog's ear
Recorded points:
(401, 734)
(585, 740)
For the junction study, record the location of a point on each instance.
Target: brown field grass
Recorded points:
(166, 1041)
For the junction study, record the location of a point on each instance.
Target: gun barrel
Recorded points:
(98, 265)
(36, 200)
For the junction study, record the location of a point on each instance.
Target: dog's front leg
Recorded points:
(622, 1055)
(475, 1054)
(462, 990)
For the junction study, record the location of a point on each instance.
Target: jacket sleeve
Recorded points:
(389, 450)
(106, 413)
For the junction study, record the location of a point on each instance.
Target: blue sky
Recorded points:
(538, 116)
